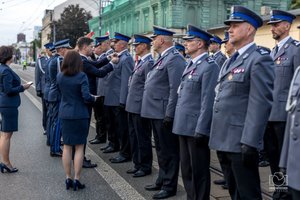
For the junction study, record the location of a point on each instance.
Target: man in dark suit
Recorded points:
(85, 46)
(158, 105)
(215, 49)
(100, 51)
(139, 127)
(115, 100)
(242, 105)
(194, 112)
(286, 58)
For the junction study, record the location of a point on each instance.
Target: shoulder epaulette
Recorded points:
(296, 43)
(175, 52)
(262, 51)
(210, 59)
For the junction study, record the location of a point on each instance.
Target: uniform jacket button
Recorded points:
(294, 136)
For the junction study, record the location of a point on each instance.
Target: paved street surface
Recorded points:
(42, 177)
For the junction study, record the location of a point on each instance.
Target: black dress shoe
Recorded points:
(163, 194)
(132, 171)
(220, 182)
(109, 150)
(87, 164)
(105, 147)
(225, 186)
(140, 173)
(97, 141)
(56, 154)
(119, 159)
(152, 187)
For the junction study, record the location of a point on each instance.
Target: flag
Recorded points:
(107, 32)
(90, 34)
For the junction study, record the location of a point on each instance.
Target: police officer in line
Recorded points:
(139, 127)
(215, 49)
(101, 50)
(50, 54)
(115, 99)
(180, 48)
(159, 101)
(290, 154)
(244, 95)
(229, 49)
(194, 113)
(286, 59)
(40, 68)
(85, 47)
(61, 47)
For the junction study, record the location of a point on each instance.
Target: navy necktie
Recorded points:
(232, 59)
(275, 50)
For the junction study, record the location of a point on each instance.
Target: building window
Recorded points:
(137, 22)
(123, 25)
(146, 20)
(227, 10)
(164, 10)
(155, 15)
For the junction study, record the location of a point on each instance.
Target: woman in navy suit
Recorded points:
(73, 112)
(10, 87)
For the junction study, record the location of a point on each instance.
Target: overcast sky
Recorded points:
(18, 16)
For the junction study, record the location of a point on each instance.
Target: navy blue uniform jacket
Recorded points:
(10, 87)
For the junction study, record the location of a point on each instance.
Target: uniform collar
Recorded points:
(198, 57)
(122, 52)
(165, 51)
(145, 56)
(245, 48)
(283, 41)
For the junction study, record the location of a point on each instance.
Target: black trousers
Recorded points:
(167, 150)
(140, 141)
(118, 131)
(243, 181)
(273, 141)
(100, 117)
(195, 160)
(295, 193)
(44, 112)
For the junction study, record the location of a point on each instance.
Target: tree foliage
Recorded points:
(295, 4)
(72, 24)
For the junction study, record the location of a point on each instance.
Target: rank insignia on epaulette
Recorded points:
(296, 43)
(262, 51)
(210, 59)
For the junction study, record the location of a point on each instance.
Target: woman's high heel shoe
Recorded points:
(77, 185)
(9, 170)
(69, 183)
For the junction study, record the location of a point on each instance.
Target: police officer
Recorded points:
(159, 101)
(40, 67)
(139, 127)
(180, 48)
(50, 54)
(229, 49)
(286, 58)
(115, 99)
(101, 50)
(290, 154)
(242, 105)
(85, 46)
(61, 47)
(194, 112)
(215, 49)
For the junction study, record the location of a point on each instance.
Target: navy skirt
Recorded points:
(9, 121)
(74, 131)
